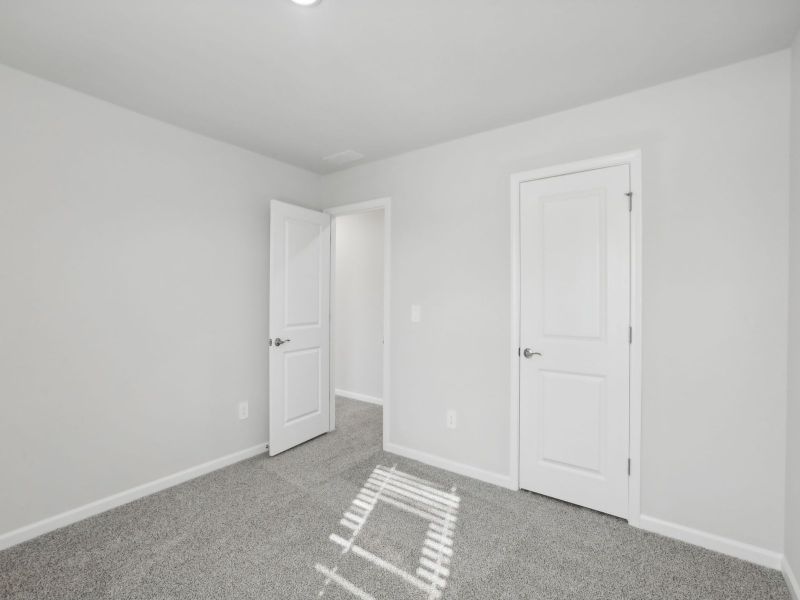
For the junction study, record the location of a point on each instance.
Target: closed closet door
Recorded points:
(574, 332)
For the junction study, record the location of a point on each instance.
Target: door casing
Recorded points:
(634, 160)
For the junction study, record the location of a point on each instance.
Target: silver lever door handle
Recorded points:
(528, 353)
(280, 342)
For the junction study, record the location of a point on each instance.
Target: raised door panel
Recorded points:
(572, 421)
(573, 274)
(302, 384)
(302, 270)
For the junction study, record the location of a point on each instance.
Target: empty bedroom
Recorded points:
(367, 300)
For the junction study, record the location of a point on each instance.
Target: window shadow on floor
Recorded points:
(394, 540)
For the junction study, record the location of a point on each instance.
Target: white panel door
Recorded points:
(299, 323)
(574, 333)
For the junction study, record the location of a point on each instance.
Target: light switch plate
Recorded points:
(416, 313)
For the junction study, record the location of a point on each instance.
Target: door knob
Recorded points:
(280, 342)
(528, 353)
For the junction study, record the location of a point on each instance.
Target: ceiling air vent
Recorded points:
(342, 158)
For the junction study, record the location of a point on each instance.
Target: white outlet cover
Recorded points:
(244, 410)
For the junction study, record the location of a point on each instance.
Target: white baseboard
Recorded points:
(28, 532)
(791, 580)
(359, 396)
(450, 465)
(711, 541)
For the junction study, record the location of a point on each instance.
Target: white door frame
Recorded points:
(384, 204)
(634, 160)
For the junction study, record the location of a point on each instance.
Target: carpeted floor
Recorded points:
(339, 518)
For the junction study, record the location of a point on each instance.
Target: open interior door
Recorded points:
(299, 324)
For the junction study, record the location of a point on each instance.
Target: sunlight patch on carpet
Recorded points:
(396, 491)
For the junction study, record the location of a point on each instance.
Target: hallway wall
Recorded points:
(359, 305)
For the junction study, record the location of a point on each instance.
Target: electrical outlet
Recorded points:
(451, 419)
(416, 313)
(244, 410)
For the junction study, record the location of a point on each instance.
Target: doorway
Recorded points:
(360, 288)
(303, 323)
(576, 328)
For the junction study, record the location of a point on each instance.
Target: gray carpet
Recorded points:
(262, 529)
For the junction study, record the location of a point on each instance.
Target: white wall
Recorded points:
(359, 304)
(133, 297)
(133, 293)
(793, 418)
(715, 160)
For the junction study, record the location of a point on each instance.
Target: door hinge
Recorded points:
(629, 467)
(630, 335)
(630, 201)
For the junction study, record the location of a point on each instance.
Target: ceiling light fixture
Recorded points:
(306, 2)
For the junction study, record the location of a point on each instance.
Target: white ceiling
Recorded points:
(375, 76)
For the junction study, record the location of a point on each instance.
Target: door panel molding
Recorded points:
(633, 160)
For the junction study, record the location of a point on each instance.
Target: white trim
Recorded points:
(359, 207)
(791, 580)
(28, 532)
(634, 160)
(513, 426)
(384, 204)
(358, 396)
(635, 398)
(451, 465)
(711, 541)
